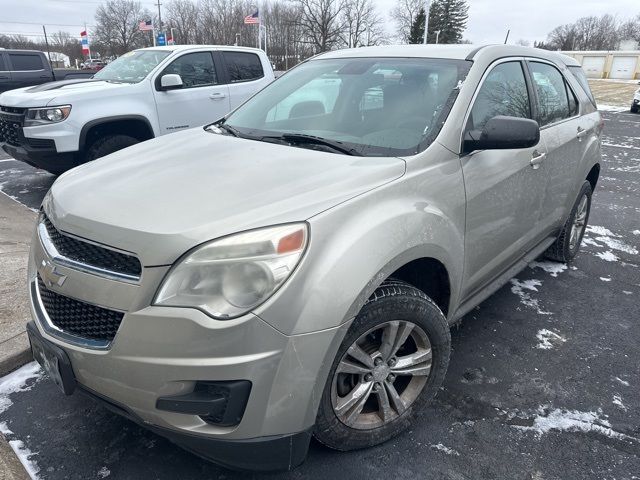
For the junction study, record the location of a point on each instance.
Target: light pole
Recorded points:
(437, 35)
(427, 7)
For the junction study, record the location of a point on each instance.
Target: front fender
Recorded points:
(355, 246)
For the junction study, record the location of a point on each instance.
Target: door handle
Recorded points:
(582, 133)
(217, 96)
(537, 159)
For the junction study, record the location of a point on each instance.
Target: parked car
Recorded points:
(635, 103)
(25, 68)
(93, 65)
(141, 95)
(293, 269)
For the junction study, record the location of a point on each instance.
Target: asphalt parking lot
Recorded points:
(544, 380)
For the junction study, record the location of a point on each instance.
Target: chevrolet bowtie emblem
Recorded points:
(50, 275)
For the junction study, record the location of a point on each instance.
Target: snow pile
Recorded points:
(548, 339)
(17, 382)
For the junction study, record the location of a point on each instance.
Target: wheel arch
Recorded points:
(136, 126)
(593, 175)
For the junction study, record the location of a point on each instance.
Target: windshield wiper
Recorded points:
(304, 139)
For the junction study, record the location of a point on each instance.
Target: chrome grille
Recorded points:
(78, 318)
(92, 255)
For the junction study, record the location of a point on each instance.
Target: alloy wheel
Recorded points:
(579, 223)
(381, 375)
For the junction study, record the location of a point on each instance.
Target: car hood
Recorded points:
(160, 198)
(61, 92)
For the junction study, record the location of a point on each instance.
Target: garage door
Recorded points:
(593, 66)
(623, 67)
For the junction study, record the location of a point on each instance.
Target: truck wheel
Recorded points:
(568, 242)
(634, 109)
(389, 366)
(109, 144)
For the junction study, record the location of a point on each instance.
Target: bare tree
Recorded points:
(587, 33)
(117, 26)
(362, 24)
(629, 31)
(66, 43)
(523, 43)
(404, 15)
(183, 16)
(321, 22)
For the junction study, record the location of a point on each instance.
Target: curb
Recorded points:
(11, 467)
(16, 352)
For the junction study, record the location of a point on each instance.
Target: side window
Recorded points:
(195, 69)
(243, 66)
(573, 101)
(26, 61)
(504, 92)
(553, 102)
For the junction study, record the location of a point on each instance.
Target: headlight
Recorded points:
(228, 277)
(45, 116)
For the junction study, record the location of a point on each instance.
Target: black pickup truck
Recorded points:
(24, 68)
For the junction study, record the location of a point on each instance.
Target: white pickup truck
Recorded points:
(141, 95)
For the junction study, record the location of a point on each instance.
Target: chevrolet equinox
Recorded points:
(291, 270)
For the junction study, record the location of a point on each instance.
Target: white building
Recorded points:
(619, 64)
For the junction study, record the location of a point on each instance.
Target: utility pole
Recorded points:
(159, 21)
(437, 35)
(46, 40)
(427, 7)
(507, 37)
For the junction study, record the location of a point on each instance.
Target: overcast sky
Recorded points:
(488, 19)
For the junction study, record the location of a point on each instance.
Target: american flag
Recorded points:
(145, 26)
(252, 19)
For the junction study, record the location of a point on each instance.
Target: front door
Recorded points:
(201, 100)
(505, 188)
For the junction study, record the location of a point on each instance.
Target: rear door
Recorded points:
(202, 99)
(565, 134)
(245, 75)
(5, 74)
(27, 69)
(505, 188)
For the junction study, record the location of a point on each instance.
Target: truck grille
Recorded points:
(11, 120)
(79, 318)
(92, 255)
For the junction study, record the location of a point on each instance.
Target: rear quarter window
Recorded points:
(243, 66)
(580, 76)
(26, 61)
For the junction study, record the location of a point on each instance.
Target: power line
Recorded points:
(41, 23)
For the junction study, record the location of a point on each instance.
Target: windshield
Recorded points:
(132, 67)
(372, 106)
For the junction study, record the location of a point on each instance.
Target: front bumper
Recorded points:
(46, 158)
(276, 452)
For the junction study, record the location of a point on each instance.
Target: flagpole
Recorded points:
(259, 29)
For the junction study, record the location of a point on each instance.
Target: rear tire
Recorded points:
(395, 356)
(109, 144)
(567, 245)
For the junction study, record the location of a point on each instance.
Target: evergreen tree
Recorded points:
(416, 34)
(447, 16)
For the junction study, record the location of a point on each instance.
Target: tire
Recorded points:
(634, 109)
(566, 246)
(108, 144)
(393, 303)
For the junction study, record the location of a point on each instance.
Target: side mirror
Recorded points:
(170, 81)
(501, 133)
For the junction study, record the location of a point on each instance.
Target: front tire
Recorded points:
(109, 144)
(634, 109)
(567, 245)
(389, 366)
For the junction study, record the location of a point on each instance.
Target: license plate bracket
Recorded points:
(53, 359)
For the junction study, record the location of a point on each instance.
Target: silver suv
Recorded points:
(292, 270)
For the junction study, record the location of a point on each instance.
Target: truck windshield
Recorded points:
(132, 67)
(360, 106)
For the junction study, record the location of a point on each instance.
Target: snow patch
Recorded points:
(552, 268)
(17, 382)
(623, 382)
(627, 292)
(24, 455)
(445, 449)
(104, 472)
(548, 339)
(519, 288)
(611, 108)
(636, 232)
(573, 421)
(610, 239)
(617, 401)
(605, 279)
(607, 256)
